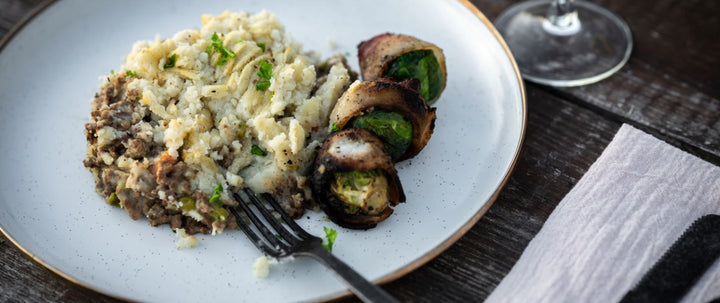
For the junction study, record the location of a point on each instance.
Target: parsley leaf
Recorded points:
(217, 45)
(265, 70)
(256, 150)
(334, 128)
(262, 85)
(329, 239)
(221, 61)
(170, 62)
(262, 46)
(129, 73)
(215, 198)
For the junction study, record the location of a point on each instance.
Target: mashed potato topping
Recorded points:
(193, 107)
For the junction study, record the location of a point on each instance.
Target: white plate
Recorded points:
(49, 72)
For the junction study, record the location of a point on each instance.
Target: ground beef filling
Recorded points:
(152, 188)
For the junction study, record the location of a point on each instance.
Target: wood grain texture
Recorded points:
(669, 88)
(562, 141)
(671, 85)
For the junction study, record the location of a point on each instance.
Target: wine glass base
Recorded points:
(572, 56)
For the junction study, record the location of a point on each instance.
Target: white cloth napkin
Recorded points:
(631, 205)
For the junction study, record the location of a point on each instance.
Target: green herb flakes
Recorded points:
(256, 150)
(129, 73)
(262, 85)
(334, 128)
(262, 46)
(217, 45)
(170, 61)
(215, 198)
(329, 239)
(265, 70)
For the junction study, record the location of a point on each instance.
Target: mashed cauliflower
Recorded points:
(187, 118)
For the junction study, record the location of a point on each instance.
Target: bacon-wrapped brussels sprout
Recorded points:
(401, 57)
(393, 111)
(355, 180)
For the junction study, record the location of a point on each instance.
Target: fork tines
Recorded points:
(270, 235)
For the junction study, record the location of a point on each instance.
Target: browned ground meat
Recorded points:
(140, 191)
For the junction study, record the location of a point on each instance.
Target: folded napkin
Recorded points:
(625, 212)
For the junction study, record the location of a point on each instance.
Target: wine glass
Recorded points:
(565, 42)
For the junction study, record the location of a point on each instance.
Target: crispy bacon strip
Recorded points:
(402, 98)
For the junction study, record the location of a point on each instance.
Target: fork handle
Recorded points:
(366, 291)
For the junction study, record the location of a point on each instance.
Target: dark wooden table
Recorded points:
(670, 88)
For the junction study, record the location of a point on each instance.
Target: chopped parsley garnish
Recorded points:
(265, 72)
(129, 73)
(170, 61)
(262, 85)
(112, 71)
(215, 198)
(329, 239)
(334, 128)
(256, 150)
(217, 45)
(262, 46)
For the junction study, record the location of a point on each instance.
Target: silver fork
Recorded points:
(295, 241)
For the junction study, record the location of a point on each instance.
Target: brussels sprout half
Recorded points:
(363, 191)
(394, 129)
(421, 65)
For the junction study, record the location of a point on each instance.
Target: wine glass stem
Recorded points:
(562, 18)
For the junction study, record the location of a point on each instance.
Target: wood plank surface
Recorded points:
(669, 88)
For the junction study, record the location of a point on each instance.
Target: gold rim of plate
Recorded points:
(431, 254)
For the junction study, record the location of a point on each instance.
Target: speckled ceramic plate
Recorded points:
(49, 72)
